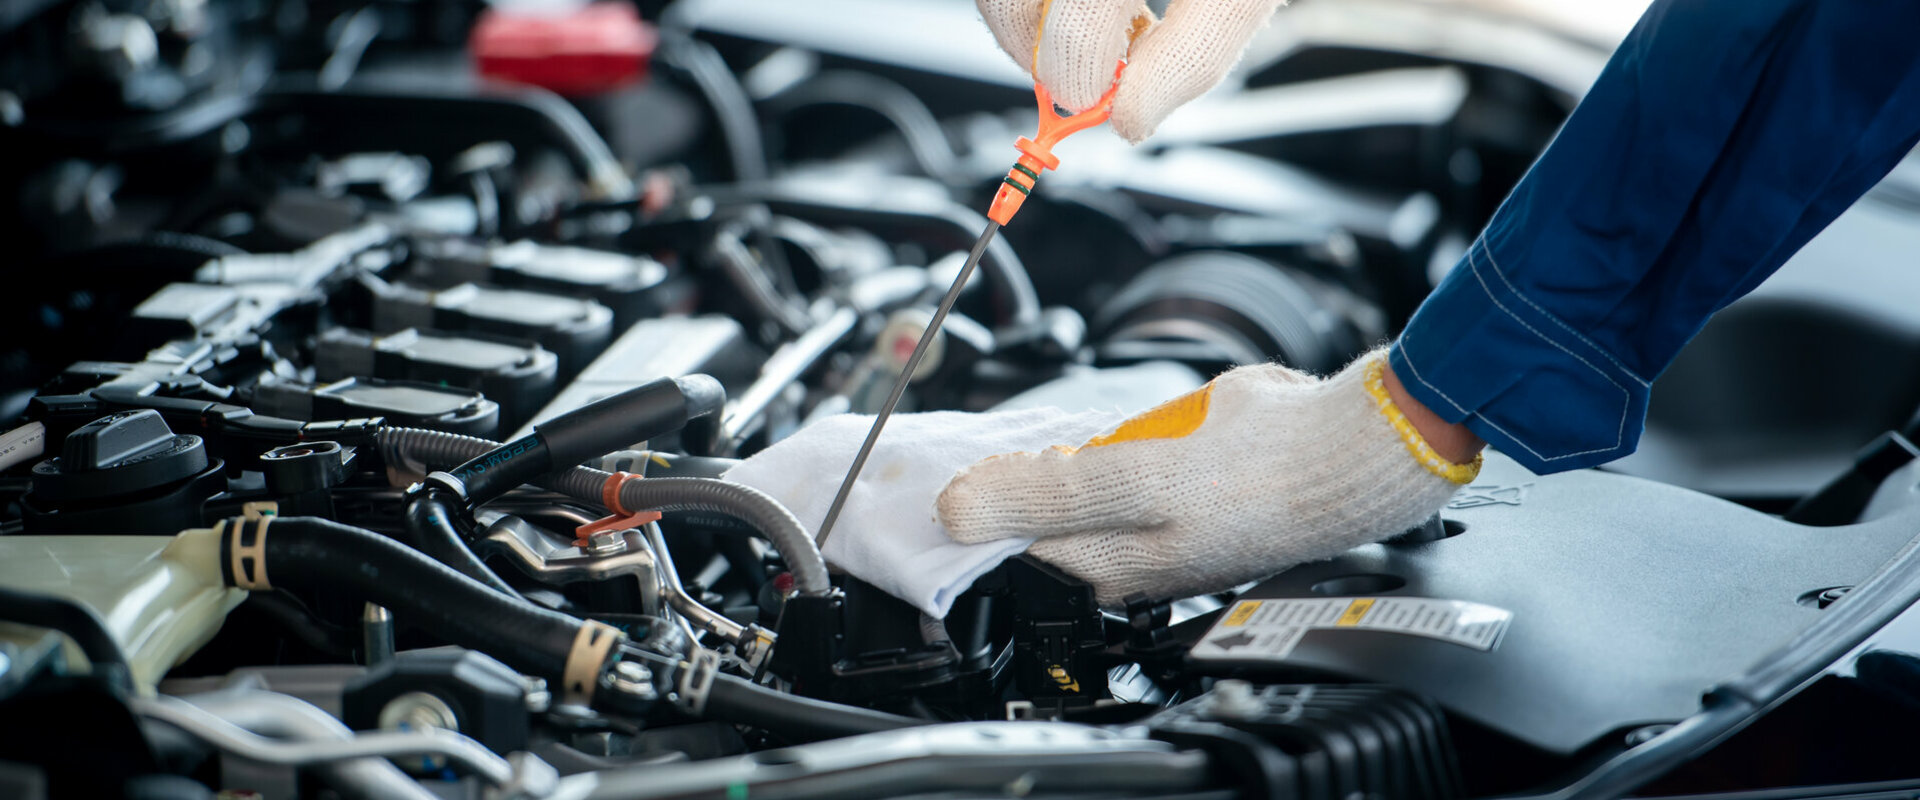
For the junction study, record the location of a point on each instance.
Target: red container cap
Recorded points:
(581, 51)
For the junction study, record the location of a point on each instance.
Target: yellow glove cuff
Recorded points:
(1416, 444)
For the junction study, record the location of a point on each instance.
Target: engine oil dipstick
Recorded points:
(1036, 156)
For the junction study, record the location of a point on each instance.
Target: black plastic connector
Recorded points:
(610, 423)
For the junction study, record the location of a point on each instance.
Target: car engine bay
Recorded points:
(377, 371)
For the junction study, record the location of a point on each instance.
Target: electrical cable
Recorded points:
(431, 530)
(755, 286)
(801, 719)
(798, 719)
(22, 444)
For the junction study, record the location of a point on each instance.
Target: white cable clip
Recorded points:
(696, 681)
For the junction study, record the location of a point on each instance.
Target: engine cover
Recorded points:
(1627, 600)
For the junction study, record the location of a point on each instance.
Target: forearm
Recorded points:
(1451, 440)
(1722, 135)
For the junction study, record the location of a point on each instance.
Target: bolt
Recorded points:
(632, 679)
(607, 543)
(419, 711)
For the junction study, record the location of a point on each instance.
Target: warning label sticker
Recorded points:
(1269, 629)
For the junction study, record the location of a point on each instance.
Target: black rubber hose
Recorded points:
(610, 423)
(797, 719)
(931, 148)
(940, 222)
(423, 450)
(754, 285)
(77, 621)
(430, 529)
(304, 554)
(732, 108)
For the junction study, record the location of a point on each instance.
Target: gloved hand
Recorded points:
(887, 535)
(1261, 469)
(1073, 50)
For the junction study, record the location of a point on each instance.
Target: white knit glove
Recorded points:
(1071, 47)
(1261, 469)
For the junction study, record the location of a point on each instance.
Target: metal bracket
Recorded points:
(544, 558)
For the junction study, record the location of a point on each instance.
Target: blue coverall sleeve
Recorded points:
(1722, 135)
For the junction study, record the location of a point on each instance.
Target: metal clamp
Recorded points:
(247, 551)
(590, 649)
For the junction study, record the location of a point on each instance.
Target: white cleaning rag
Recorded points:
(887, 534)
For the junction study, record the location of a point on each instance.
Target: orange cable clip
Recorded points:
(1036, 154)
(621, 519)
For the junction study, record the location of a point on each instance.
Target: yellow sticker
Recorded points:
(1241, 614)
(1356, 611)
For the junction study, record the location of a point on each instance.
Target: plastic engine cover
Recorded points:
(1625, 601)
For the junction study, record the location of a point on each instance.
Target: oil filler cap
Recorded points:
(119, 454)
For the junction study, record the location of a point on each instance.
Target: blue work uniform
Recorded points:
(1722, 135)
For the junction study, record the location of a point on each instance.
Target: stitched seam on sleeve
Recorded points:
(1407, 357)
(1482, 242)
(1490, 423)
(1620, 433)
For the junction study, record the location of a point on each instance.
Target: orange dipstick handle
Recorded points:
(1036, 154)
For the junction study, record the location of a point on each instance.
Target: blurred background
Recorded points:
(1298, 212)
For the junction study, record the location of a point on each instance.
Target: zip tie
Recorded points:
(621, 519)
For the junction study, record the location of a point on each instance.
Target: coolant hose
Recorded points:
(799, 719)
(304, 554)
(424, 450)
(430, 530)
